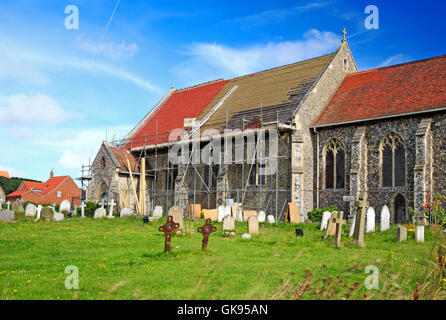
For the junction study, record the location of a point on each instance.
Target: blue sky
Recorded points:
(62, 90)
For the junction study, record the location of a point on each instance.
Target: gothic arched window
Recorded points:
(393, 161)
(334, 165)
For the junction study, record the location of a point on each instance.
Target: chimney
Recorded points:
(51, 174)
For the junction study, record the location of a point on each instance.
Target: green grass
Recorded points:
(122, 259)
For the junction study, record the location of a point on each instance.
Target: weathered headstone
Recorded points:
(39, 212)
(210, 214)
(65, 206)
(324, 221)
(83, 210)
(370, 220)
(249, 213)
(100, 213)
(178, 217)
(206, 230)
(385, 219)
(111, 207)
(352, 226)
(30, 210)
(126, 212)
(228, 224)
(420, 219)
(227, 211)
(47, 214)
(261, 216)
(339, 221)
(239, 214)
(234, 209)
(253, 225)
(220, 213)
(17, 206)
(270, 218)
(419, 233)
(7, 216)
(158, 213)
(358, 235)
(331, 226)
(58, 216)
(168, 228)
(401, 234)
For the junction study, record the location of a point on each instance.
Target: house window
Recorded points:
(334, 153)
(393, 161)
(59, 194)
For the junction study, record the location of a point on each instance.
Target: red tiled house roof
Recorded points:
(414, 87)
(4, 174)
(181, 104)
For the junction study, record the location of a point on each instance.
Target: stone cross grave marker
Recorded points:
(358, 236)
(102, 204)
(331, 227)
(39, 211)
(206, 230)
(339, 221)
(168, 228)
(8, 204)
(385, 219)
(111, 205)
(83, 209)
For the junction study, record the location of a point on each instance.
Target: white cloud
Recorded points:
(34, 109)
(396, 59)
(212, 58)
(108, 49)
(276, 15)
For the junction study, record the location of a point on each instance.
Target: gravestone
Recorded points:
(126, 212)
(339, 221)
(178, 217)
(75, 210)
(401, 234)
(83, 210)
(100, 213)
(370, 220)
(385, 219)
(168, 228)
(58, 216)
(249, 213)
(227, 211)
(220, 213)
(7, 216)
(206, 231)
(419, 233)
(228, 224)
(253, 225)
(111, 206)
(270, 218)
(358, 235)
(261, 216)
(331, 227)
(420, 219)
(47, 214)
(210, 214)
(65, 206)
(17, 206)
(39, 212)
(158, 213)
(239, 214)
(30, 210)
(324, 221)
(352, 226)
(234, 209)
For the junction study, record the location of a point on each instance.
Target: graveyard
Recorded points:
(124, 258)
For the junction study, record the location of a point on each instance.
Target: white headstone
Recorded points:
(65, 206)
(261, 216)
(370, 220)
(111, 205)
(30, 210)
(239, 215)
(324, 221)
(8, 204)
(58, 216)
(100, 213)
(227, 211)
(83, 210)
(39, 210)
(270, 218)
(419, 233)
(228, 224)
(158, 212)
(220, 213)
(126, 212)
(385, 219)
(352, 226)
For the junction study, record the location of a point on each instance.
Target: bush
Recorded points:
(90, 208)
(316, 214)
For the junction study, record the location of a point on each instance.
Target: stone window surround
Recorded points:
(393, 139)
(336, 145)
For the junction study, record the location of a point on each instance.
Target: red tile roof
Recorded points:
(34, 185)
(51, 184)
(44, 187)
(184, 103)
(17, 193)
(413, 87)
(4, 174)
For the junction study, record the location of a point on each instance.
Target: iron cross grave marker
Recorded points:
(206, 230)
(168, 228)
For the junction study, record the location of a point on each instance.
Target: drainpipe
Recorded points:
(317, 167)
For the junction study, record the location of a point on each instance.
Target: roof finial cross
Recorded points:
(344, 32)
